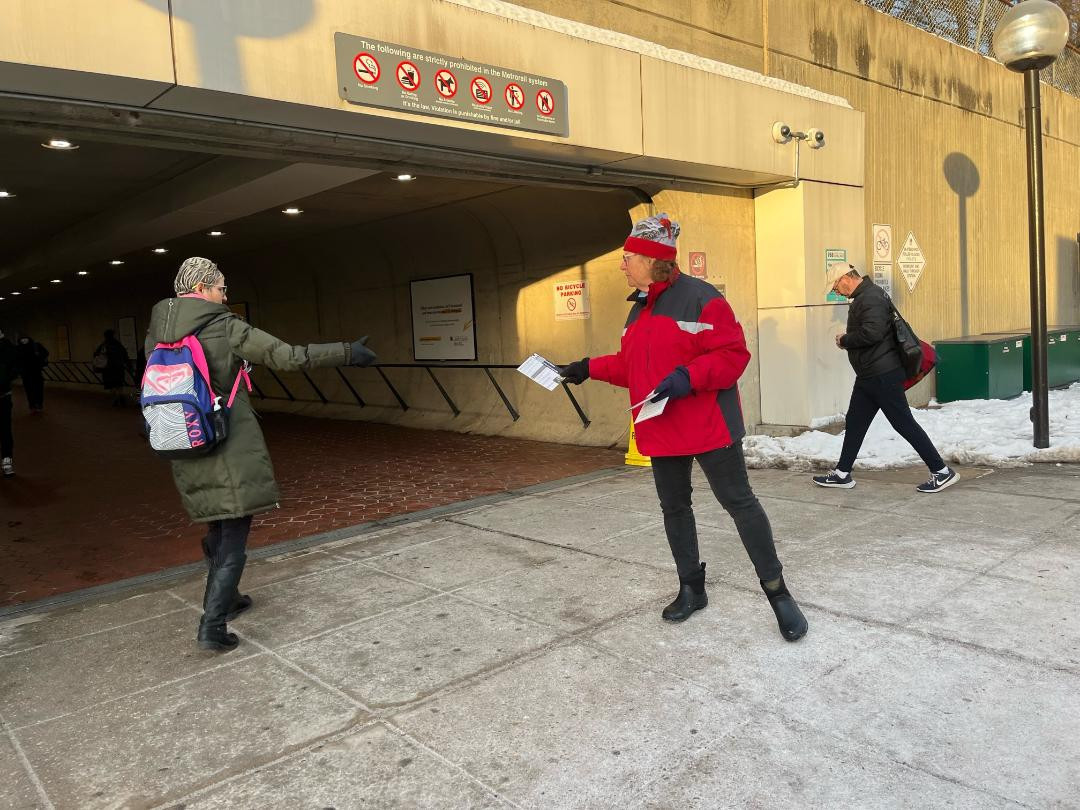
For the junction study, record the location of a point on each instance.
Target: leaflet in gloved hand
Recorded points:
(649, 409)
(542, 371)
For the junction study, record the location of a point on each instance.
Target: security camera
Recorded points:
(781, 132)
(816, 138)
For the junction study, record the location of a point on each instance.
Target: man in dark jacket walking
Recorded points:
(9, 371)
(225, 487)
(870, 341)
(33, 357)
(682, 343)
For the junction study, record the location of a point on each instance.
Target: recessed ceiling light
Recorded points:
(161, 250)
(82, 273)
(1, 298)
(292, 212)
(16, 293)
(55, 281)
(404, 178)
(217, 233)
(116, 261)
(4, 194)
(60, 143)
(33, 288)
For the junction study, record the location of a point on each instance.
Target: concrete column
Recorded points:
(803, 375)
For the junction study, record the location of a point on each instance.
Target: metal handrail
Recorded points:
(82, 373)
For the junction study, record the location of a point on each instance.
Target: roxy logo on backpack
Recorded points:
(184, 417)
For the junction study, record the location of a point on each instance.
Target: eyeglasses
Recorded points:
(221, 287)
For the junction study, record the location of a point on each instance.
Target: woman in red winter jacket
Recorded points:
(682, 342)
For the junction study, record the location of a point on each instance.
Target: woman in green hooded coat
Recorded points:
(236, 480)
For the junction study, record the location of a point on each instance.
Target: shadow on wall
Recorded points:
(963, 178)
(218, 26)
(1068, 281)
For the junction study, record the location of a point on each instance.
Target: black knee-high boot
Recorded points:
(691, 597)
(792, 623)
(221, 594)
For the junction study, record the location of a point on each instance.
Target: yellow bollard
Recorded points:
(633, 457)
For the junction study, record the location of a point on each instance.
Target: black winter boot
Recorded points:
(792, 623)
(241, 601)
(691, 597)
(221, 595)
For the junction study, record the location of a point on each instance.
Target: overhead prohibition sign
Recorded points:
(408, 76)
(545, 102)
(446, 83)
(366, 68)
(481, 90)
(515, 96)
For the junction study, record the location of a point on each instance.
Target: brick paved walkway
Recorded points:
(91, 504)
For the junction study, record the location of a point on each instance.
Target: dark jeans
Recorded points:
(7, 439)
(35, 391)
(884, 393)
(725, 470)
(225, 539)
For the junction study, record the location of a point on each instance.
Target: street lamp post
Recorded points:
(1029, 38)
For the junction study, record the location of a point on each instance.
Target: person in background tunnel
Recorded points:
(234, 481)
(111, 359)
(682, 343)
(33, 357)
(9, 372)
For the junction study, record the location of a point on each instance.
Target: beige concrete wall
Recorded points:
(126, 40)
(944, 145)
(517, 244)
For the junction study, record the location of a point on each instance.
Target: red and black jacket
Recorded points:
(682, 322)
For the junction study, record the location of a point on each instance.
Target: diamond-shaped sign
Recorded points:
(911, 261)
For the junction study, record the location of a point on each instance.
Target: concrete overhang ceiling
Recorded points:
(79, 210)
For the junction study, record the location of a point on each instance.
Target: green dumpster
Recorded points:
(1067, 370)
(979, 367)
(1062, 355)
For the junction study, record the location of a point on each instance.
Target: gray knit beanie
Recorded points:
(195, 271)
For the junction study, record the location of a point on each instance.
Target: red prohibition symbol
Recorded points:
(408, 76)
(446, 83)
(481, 90)
(515, 96)
(366, 68)
(545, 102)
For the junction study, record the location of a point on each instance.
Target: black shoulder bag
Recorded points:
(911, 353)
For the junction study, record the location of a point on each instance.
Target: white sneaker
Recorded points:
(8, 466)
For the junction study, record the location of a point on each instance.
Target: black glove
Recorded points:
(575, 373)
(359, 354)
(674, 386)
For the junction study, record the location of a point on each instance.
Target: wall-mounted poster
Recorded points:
(442, 318)
(241, 309)
(63, 345)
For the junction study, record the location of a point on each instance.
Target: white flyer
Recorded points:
(649, 409)
(541, 371)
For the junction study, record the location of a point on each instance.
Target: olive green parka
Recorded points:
(236, 478)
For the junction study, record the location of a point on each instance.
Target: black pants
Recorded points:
(7, 439)
(884, 393)
(35, 391)
(225, 539)
(726, 471)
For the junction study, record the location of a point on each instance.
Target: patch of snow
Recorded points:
(992, 433)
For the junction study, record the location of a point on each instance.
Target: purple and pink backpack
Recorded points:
(184, 417)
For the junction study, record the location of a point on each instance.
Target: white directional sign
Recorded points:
(911, 261)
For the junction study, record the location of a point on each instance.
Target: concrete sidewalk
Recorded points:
(511, 654)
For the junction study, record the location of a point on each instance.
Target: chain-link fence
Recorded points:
(972, 23)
